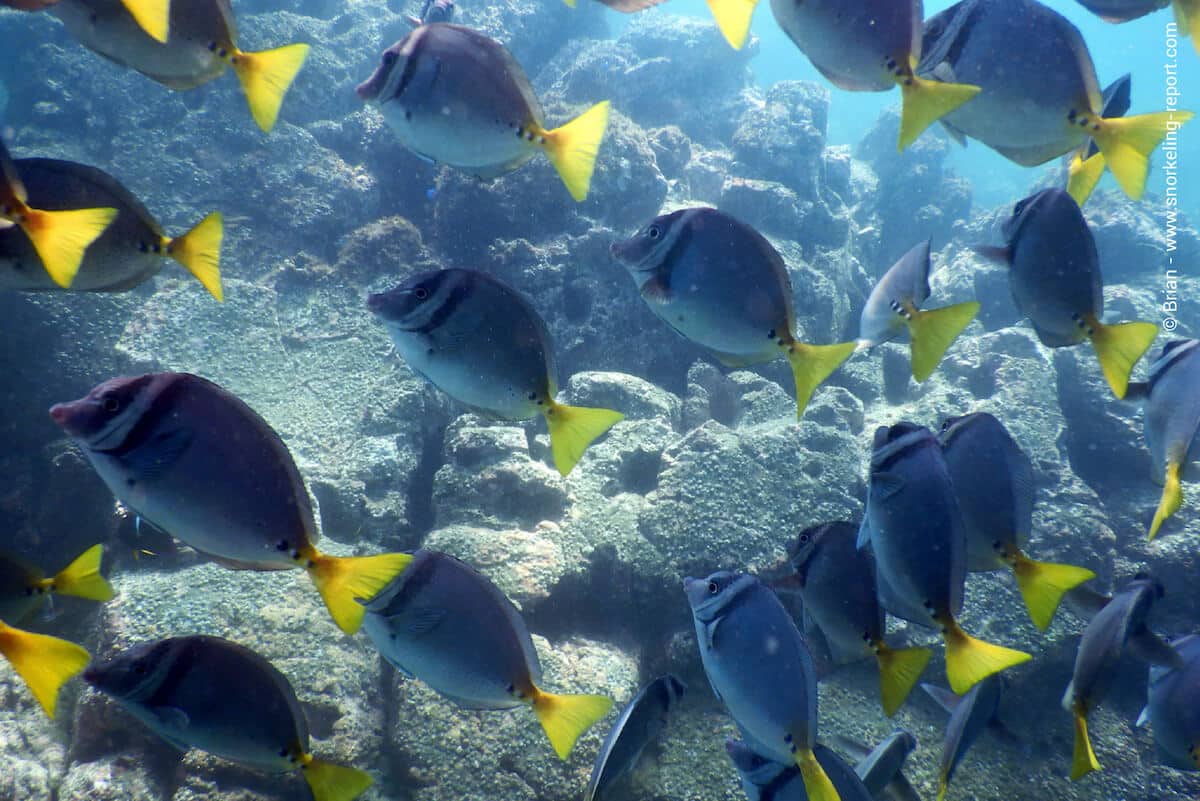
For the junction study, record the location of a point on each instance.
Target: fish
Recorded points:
(759, 667)
(220, 697)
(893, 307)
(765, 779)
(872, 46)
(641, 723)
(970, 715)
(454, 96)
(433, 11)
(24, 588)
(152, 16)
(1056, 282)
(719, 283)
(882, 767)
(1173, 696)
(57, 237)
(132, 248)
(446, 624)
(43, 662)
(1171, 396)
(1086, 165)
(993, 484)
(483, 344)
(195, 461)
(914, 528)
(201, 46)
(1119, 623)
(1041, 98)
(836, 581)
(1187, 13)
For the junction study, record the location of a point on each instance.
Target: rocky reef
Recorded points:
(709, 470)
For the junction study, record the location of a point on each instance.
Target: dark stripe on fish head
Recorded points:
(966, 425)
(136, 674)
(650, 253)
(104, 419)
(1048, 203)
(396, 68)
(895, 442)
(808, 542)
(710, 597)
(424, 303)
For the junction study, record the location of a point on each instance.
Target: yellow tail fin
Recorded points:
(570, 3)
(816, 781)
(342, 579)
(1043, 585)
(733, 19)
(812, 364)
(45, 663)
(330, 782)
(898, 674)
(82, 577)
(154, 16)
(61, 237)
(1083, 175)
(1118, 347)
(1187, 17)
(1171, 500)
(199, 250)
(934, 331)
(573, 148)
(1084, 759)
(943, 786)
(266, 77)
(565, 717)
(924, 102)
(1127, 143)
(572, 429)
(969, 661)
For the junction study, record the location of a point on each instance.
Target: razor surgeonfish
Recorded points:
(893, 307)
(482, 343)
(153, 16)
(836, 581)
(201, 45)
(1119, 623)
(1056, 282)
(44, 663)
(444, 623)
(1171, 397)
(131, 250)
(760, 668)
(765, 779)
(641, 723)
(24, 588)
(197, 462)
(970, 715)
(1040, 97)
(223, 698)
(1187, 13)
(872, 46)
(721, 284)
(882, 768)
(58, 237)
(1173, 706)
(993, 483)
(456, 97)
(915, 530)
(1085, 166)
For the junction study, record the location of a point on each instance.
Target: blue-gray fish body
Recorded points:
(453, 629)
(1033, 66)
(882, 769)
(970, 716)
(905, 282)
(640, 724)
(474, 337)
(1123, 10)
(765, 779)
(1172, 406)
(1173, 706)
(212, 694)
(756, 661)
(993, 483)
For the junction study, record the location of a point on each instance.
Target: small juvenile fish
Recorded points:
(760, 668)
(449, 626)
(767, 780)
(641, 723)
(220, 697)
(993, 483)
(44, 663)
(872, 46)
(721, 284)
(24, 588)
(152, 15)
(1187, 13)
(915, 530)
(131, 250)
(198, 463)
(58, 236)
(479, 341)
(1054, 274)
(893, 307)
(970, 715)
(1171, 395)
(455, 96)
(836, 581)
(1173, 699)
(433, 11)
(201, 45)
(1086, 165)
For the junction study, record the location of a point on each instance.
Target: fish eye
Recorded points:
(804, 538)
(421, 293)
(389, 58)
(110, 404)
(654, 232)
(712, 588)
(1020, 207)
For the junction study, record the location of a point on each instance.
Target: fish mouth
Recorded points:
(366, 91)
(60, 414)
(376, 301)
(91, 674)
